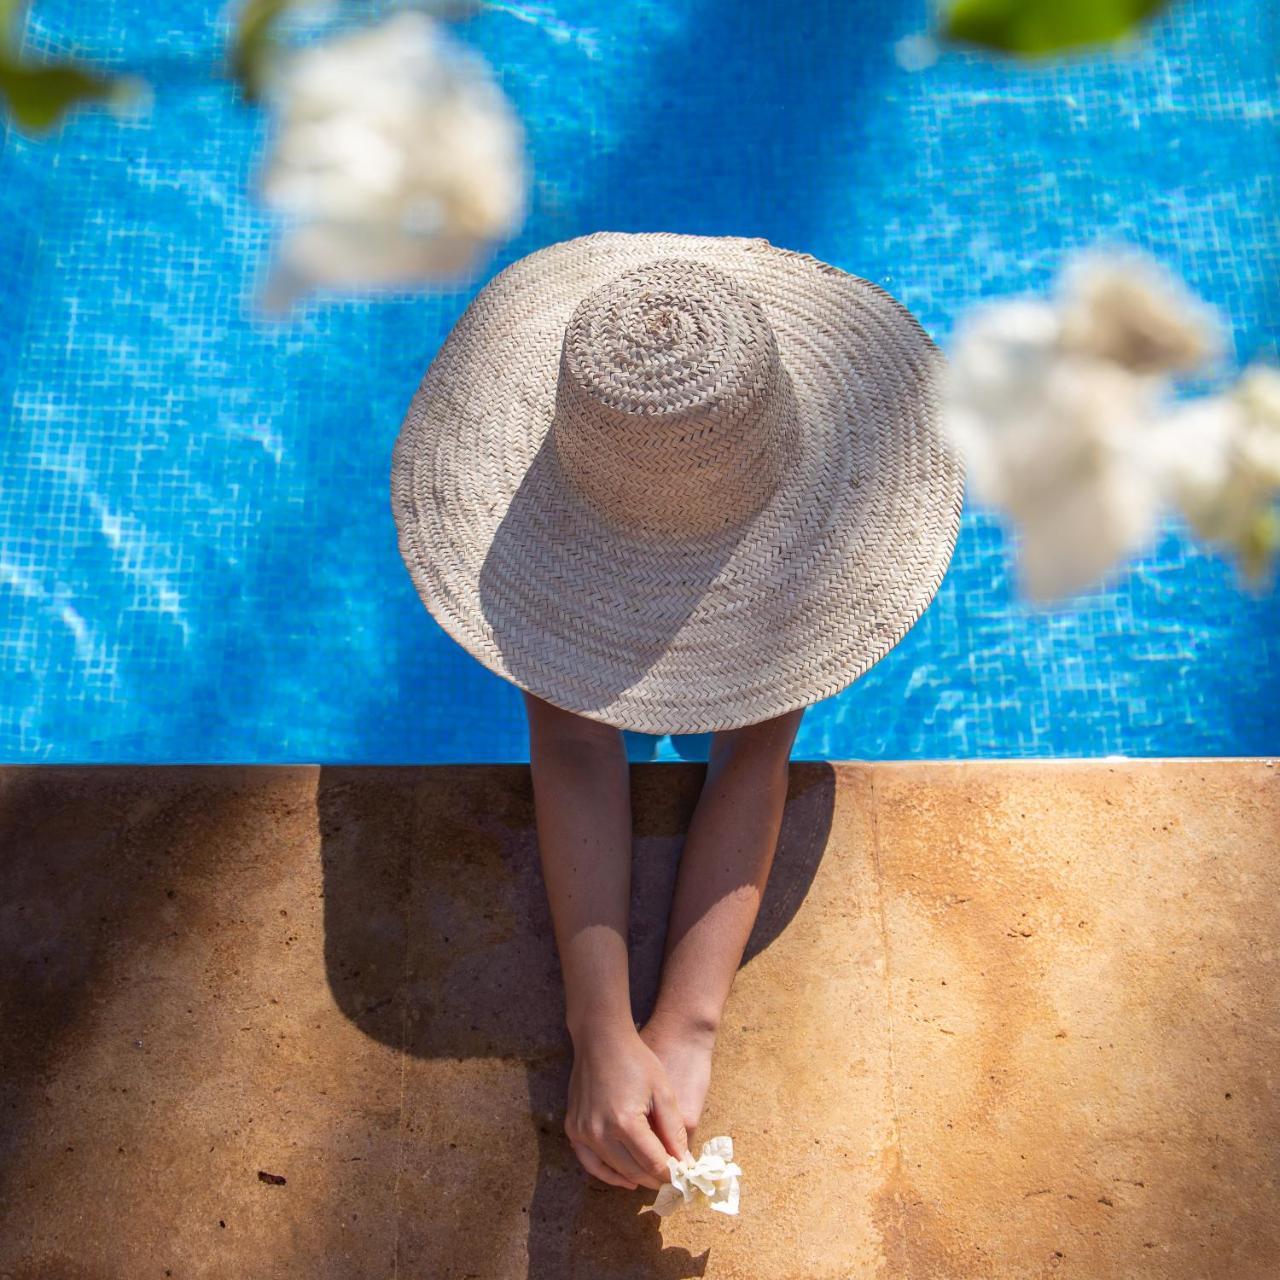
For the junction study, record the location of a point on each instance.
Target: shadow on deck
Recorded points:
(994, 1019)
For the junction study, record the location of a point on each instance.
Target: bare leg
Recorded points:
(723, 871)
(622, 1116)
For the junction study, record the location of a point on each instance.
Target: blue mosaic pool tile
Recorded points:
(197, 558)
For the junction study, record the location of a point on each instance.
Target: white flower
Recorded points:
(1125, 307)
(396, 156)
(1055, 438)
(1258, 393)
(1058, 408)
(1221, 461)
(710, 1179)
(1001, 358)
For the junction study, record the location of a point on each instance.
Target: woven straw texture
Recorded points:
(677, 483)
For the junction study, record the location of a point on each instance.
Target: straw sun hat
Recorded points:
(677, 483)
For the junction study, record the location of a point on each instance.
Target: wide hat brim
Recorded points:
(684, 635)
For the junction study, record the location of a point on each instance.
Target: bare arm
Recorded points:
(622, 1116)
(583, 800)
(723, 871)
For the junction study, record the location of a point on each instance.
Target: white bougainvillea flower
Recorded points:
(1059, 409)
(1125, 307)
(1000, 360)
(1258, 394)
(396, 158)
(1221, 463)
(1055, 438)
(1091, 498)
(711, 1179)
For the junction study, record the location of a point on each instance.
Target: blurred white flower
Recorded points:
(1060, 410)
(1221, 461)
(396, 156)
(999, 362)
(710, 1179)
(1055, 438)
(1125, 307)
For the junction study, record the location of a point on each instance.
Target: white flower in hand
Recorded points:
(396, 156)
(710, 1179)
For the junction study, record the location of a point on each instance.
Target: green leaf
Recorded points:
(253, 44)
(39, 96)
(8, 23)
(1036, 28)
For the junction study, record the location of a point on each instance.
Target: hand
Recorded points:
(622, 1118)
(684, 1045)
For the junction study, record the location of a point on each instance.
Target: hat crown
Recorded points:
(674, 413)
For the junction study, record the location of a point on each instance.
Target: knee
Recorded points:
(553, 729)
(767, 742)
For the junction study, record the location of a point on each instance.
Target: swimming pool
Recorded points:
(197, 556)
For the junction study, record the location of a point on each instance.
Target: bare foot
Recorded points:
(685, 1052)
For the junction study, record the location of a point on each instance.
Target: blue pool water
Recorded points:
(197, 556)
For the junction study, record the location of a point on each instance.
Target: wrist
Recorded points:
(592, 1021)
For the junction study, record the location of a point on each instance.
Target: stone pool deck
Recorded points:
(996, 1020)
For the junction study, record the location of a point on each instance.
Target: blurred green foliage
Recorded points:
(1037, 28)
(255, 40)
(253, 44)
(38, 94)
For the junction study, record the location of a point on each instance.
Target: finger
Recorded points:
(669, 1125)
(646, 1151)
(617, 1155)
(600, 1169)
(597, 1167)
